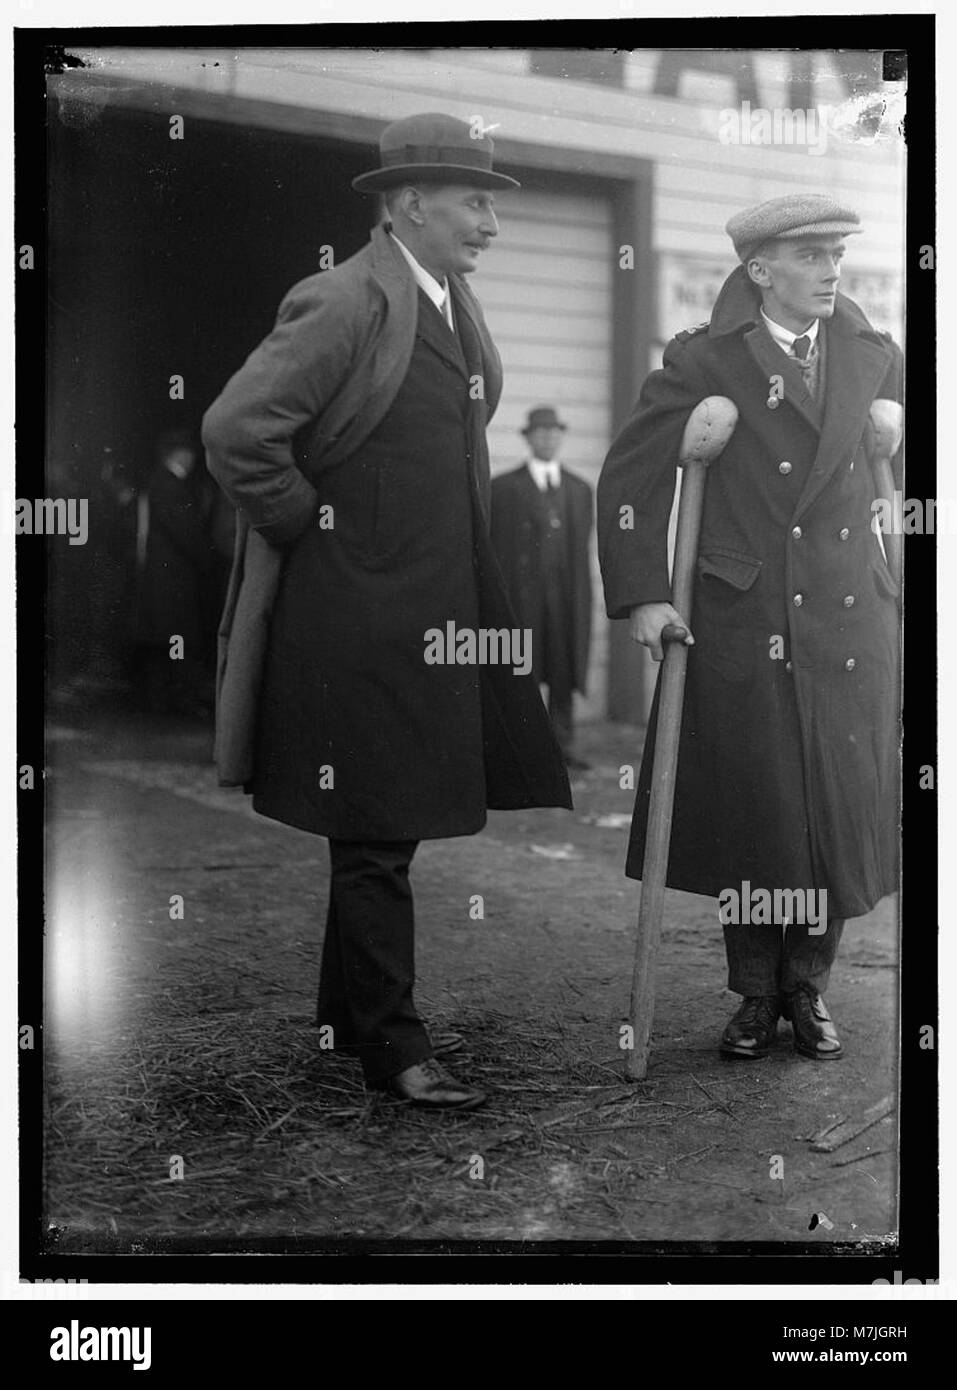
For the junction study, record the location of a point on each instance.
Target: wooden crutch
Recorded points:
(882, 440)
(710, 426)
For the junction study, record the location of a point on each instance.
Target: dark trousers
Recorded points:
(777, 960)
(368, 958)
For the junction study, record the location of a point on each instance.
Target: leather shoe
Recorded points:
(429, 1084)
(814, 1032)
(752, 1029)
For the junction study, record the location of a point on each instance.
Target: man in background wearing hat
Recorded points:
(352, 441)
(788, 756)
(541, 524)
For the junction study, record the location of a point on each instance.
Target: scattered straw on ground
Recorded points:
(273, 1136)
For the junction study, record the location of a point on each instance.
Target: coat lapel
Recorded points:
(480, 352)
(433, 330)
(482, 363)
(381, 373)
(738, 307)
(773, 362)
(856, 366)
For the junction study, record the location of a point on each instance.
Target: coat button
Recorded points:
(844, 533)
(773, 402)
(849, 664)
(849, 601)
(784, 467)
(797, 533)
(787, 666)
(798, 600)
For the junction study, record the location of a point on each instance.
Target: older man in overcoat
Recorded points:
(352, 442)
(788, 764)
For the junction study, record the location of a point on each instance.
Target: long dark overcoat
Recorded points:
(517, 520)
(295, 430)
(788, 772)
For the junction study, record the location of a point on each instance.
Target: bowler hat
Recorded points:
(543, 417)
(433, 148)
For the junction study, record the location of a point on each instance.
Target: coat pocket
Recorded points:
(730, 566)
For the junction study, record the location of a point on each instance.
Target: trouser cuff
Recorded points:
(381, 1062)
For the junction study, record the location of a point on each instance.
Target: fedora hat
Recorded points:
(432, 148)
(543, 417)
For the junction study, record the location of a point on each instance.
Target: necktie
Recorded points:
(802, 346)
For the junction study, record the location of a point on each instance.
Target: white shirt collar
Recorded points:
(544, 472)
(439, 294)
(785, 338)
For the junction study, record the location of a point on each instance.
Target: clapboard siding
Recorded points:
(518, 293)
(585, 328)
(546, 289)
(552, 269)
(723, 189)
(567, 231)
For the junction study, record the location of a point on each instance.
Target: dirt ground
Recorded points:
(187, 1094)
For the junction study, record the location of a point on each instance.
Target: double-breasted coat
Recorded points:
(788, 771)
(518, 518)
(322, 656)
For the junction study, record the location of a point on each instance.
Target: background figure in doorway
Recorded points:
(110, 599)
(180, 580)
(542, 516)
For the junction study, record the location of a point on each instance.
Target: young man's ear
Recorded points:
(759, 271)
(759, 263)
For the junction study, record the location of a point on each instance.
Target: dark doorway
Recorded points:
(170, 257)
(167, 258)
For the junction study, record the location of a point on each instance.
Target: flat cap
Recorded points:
(795, 215)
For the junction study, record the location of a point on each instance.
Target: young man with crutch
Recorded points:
(787, 780)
